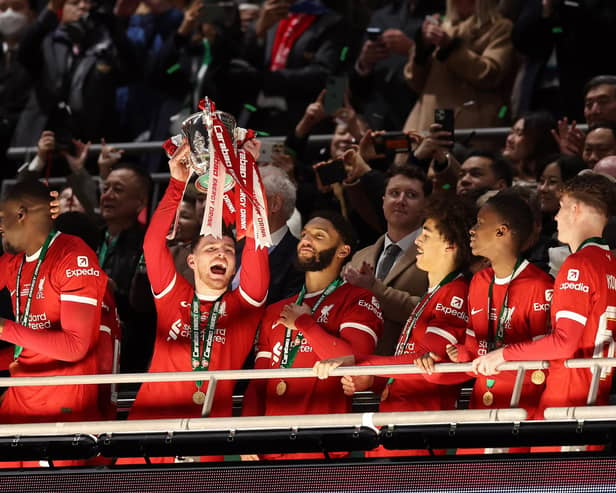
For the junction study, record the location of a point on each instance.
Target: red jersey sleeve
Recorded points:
(255, 274)
(80, 312)
(571, 304)
(447, 323)
(358, 332)
(158, 259)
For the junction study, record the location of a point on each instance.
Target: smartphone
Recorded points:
(373, 33)
(391, 142)
(331, 171)
(445, 117)
(334, 96)
(269, 148)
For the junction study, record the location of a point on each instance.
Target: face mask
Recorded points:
(12, 23)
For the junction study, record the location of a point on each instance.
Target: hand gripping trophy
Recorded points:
(226, 172)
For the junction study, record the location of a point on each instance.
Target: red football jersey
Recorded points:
(525, 318)
(236, 326)
(443, 321)
(62, 332)
(348, 321)
(583, 318)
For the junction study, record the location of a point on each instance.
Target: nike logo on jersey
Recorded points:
(475, 311)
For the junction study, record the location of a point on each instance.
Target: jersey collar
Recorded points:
(506, 280)
(36, 255)
(594, 241)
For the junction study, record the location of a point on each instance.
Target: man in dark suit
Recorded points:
(285, 279)
(388, 267)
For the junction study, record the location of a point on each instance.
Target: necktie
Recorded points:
(391, 253)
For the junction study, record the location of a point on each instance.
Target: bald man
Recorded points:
(606, 166)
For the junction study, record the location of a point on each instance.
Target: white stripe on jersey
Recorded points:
(79, 299)
(576, 317)
(166, 290)
(470, 332)
(264, 354)
(104, 328)
(354, 325)
(443, 333)
(540, 336)
(250, 300)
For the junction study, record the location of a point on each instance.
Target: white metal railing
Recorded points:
(372, 420)
(213, 376)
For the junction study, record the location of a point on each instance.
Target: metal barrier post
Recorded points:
(517, 387)
(209, 397)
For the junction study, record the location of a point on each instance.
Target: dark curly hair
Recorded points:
(453, 216)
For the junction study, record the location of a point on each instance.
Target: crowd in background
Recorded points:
(375, 75)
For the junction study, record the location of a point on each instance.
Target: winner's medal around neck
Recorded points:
(199, 398)
(281, 388)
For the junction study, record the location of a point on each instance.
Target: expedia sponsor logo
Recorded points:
(38, 321)
(611, 282)
(448, 310)
(548, 295)
(82, 272)
(456, 302)
(541, 307)
(82, 261)
(573, 275)
(374, 308)
(575, 286)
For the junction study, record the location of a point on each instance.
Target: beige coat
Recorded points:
(397, 294)
(480, 69)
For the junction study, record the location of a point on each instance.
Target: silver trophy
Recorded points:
(195, 130)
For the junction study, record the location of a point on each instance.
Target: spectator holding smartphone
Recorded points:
(377, 79)
(468, 56)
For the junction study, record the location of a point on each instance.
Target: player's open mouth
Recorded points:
(219, 269)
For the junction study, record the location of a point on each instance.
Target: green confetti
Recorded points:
(502, 112)
(173, 68)
(262, 133)
(557, 30)
(343, 53)
(250, 107)
(446, 186)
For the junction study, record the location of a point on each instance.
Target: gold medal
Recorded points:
(537, 377)
(488, 398)
(199, 398)
(281, 388)
(385, 393)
